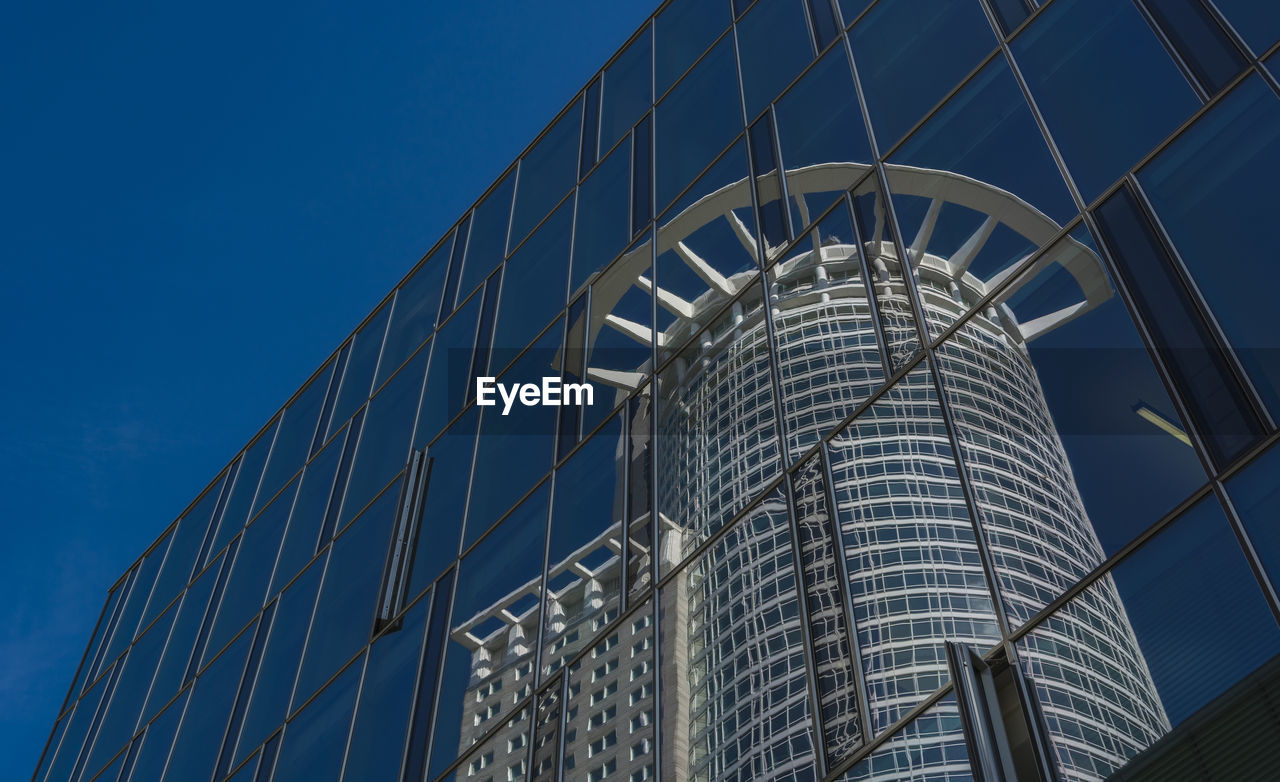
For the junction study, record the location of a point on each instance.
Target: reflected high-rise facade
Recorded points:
(932, 436)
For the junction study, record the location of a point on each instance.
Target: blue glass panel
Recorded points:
(641, 175)
(450, 296)
(51, 749)
(1201, 43)
(773, 47)
(1107, 88)
(293, 440)
(313, 743)
(73, 738)
(414, 316)
(1010, 13)
(627, 90)
(533, 286)
(242, 597)
(695, 121)
(344, 611)
(447, 380)
(1213, 190)
(1258, 23)
(121, 715)
(235, 509)
(909, 60)
(300, 540)
(1255, 492)
(269, 702)
(487, 245)
(357, 380)
(384, 438)
(604, 213)
(170, 672)
(547, 172)
(130, 612)
(445, 502)
(185, 546)
(590, 129)
(819, 123)
(157, 742)
(683, 31)
(514, 449)
(195, 749)
(485, 597)
(386, 695)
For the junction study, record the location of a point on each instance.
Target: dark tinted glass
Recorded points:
(1211, 189)
(357, 380)
(533, 286)
(446, 500)
(546, 173)
(269, 701)
(313, 743)
(1200, 41)
(1255, 492)
(682, 32)
(130, 613)
(293, 440)
(627, 90)
(183, 549)
(1257, 23)
(384, 438)
(604, 214)
(488, 243)
(195, 748)
(73, 738)
(909, 59)
(773, 47)
(1106, 87)
(172, 667)
(414, 316)
(344, 610)
(300, 540)
(447, 375)
(158, 741)
(697, 119)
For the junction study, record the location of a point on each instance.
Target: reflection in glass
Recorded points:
(1255, 492)
(1048, 388)
(313, 743)
(930, 749)
(773, 47)
(682, 32)
(697, 119)
(734, 679)
(915, 573)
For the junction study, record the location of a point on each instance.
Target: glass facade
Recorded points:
(932, 437)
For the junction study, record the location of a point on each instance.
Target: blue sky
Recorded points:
(198, 203)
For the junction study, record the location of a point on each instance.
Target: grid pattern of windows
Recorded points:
(890, 369)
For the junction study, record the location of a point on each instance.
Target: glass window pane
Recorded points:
(195, 749)
(313, 743)
(384, 437)
(246, 476)
(1107, 88)
(731, 610)
(717, 431)
(932, 747)
(828, 354)
(494, 629)
(73, 738)
(445, 502)
(293, 441)
(619, 333)
(183, 550)
(773, 47)
(344, 611)
(683, 31)
(908, 60)
(915, 574)
(697, 119)
(1258, 23)
(158, 741)
(242, 597)
(357, 380)
(602, 229)
(386, 695)
(173, 667)
(515, 447)
(547, 172)
(121, 715)
(127, 619)
(1255, 492)
(877, 234)
(504, 753)
(1212, 190)
(308, 514)
(533, 286)
(627, 90)
(267, 706)
(1071, 444)
(1200, 41)
(414, 316)
(448, 373)
(584, 582)
(1142, 650)
(821, 136)
(487, 245)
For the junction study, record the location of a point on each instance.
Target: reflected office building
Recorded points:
(932, 437)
